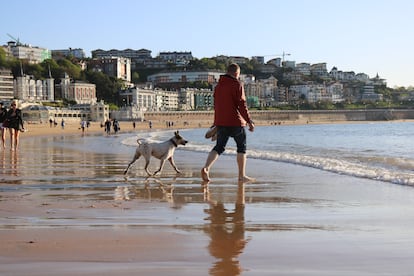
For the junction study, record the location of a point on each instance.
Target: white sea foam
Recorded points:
(374, 151)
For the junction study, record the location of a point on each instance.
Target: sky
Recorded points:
(363, 36)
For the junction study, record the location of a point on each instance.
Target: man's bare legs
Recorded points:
(241, 163)
(211, 158)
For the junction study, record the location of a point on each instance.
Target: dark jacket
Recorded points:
(3, 114)
(15, 120)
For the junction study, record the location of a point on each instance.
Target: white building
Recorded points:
(78, 91)
(317, 92)
(27, 88)
(27, 52)
(185, 76)
(336, 90)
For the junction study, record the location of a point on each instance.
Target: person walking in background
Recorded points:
(3, 117)
(231, 115)
(15, 124)
(83, 126)
(115, 125)
(108, 127)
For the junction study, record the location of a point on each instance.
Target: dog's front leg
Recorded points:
(162, 162)
(147, 161)
(173, 164)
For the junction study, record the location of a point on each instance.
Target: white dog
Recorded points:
(163, 151)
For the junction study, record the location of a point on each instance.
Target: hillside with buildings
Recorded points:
(134, 82)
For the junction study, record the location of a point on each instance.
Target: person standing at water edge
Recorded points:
(3, 116)
(15, 124)
(230, 116)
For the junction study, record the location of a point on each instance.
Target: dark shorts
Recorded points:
(223, 135)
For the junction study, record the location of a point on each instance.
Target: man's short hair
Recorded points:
(233, 68)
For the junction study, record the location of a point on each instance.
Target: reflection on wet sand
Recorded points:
(160, 190)
(163, 190)
(226, 228)
(10, 163)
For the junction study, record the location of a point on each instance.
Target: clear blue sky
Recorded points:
(364, 36)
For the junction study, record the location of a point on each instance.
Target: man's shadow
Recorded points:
(227, 231)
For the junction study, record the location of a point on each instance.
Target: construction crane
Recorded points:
(15, 40)
(279, 55)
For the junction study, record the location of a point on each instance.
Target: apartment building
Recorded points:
(117, 67)
(6, 85)
(137, 55)
(185, 77)
(77, 53)
(31, 54)
(179, 58)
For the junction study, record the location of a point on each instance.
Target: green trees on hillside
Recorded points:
(107, 87)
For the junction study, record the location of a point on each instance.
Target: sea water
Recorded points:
(380, 151)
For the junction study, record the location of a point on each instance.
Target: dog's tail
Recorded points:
(139, 141)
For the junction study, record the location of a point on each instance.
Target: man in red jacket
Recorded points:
(230, 116)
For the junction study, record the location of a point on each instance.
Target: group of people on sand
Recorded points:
(11, 119)
(114, 124)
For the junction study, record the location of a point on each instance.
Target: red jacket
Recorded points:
(230, 108)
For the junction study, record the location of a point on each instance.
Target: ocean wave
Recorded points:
(388, 169)
(335, 165)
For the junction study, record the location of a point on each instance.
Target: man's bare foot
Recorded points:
(246, 178)
(204, 175)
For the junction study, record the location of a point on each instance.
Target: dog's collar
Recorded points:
(174, 143)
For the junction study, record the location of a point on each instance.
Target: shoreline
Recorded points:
(73, 128)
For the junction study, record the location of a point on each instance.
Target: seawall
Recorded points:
(291, 116)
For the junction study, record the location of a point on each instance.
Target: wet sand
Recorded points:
(67, 209)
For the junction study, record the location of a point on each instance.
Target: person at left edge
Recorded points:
(3, 116)
(15, 124)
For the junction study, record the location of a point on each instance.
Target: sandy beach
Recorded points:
(67, 209)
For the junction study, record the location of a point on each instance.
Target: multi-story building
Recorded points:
(183, 77)
(27, 88)
(35, 112)
(117, 67)
(28, 52)
(336, 90)
(137, 57)
(368, 94)
(141, 98)
(319, 70)
(269, 87)
(77, 53)
(178, 58)
(6, 85)
(148, 99)
(78, 91)
(303, 68)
